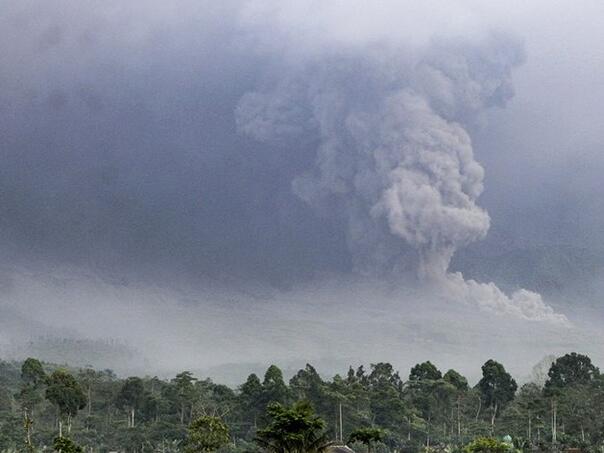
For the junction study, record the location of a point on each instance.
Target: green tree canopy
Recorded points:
(66, 445)
(294, 429)
(207, 434)
(486, 445)
(496, 386)
(185, 391)
(131, 397)
(367, 436)
(274, 388)
(251, 397)
(385, 389)
(425, 371)
(65, 392)
(32, 372)
(569, 370)
(131, 394)
(32, 379)
(456, 380)
(307, 384)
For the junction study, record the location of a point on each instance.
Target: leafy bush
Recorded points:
(66, 445)
(487, 445)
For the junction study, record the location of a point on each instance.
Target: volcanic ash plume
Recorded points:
(393, 152)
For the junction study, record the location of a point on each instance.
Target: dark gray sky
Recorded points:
(124, 155)
(120, 147)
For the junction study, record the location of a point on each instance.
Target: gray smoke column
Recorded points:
(389, 127)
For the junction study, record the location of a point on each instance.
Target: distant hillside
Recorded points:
(233, 374)
(80, 352)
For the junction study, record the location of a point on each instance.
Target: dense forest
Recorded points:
(45, 406)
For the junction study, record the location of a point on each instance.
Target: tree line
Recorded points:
(44, 406)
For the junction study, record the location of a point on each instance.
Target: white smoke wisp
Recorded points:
(522, 304)
(394, 150)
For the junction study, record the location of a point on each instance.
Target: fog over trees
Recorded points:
(373, 408)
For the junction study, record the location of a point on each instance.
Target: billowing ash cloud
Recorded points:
(121, 153)
(393, 153)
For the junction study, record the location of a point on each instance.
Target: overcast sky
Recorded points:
(152, 142)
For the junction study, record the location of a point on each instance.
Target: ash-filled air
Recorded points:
(389, 127)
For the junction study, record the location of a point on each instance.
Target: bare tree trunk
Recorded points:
(131, 417)
(89, 401)
(341, 431)
(493, 415)
(27, 422)
(335, 425)
(530, 430)
(479, 408)
(554, 422)
(459, 418)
